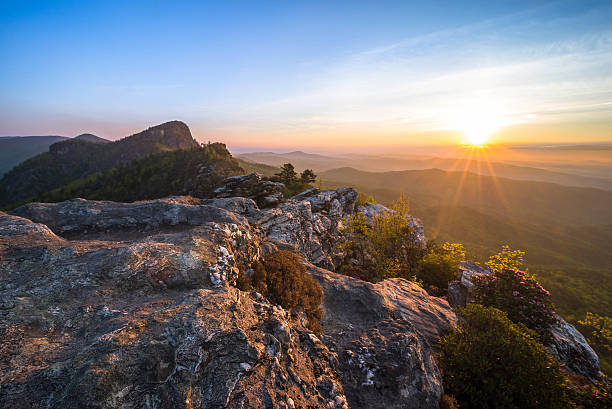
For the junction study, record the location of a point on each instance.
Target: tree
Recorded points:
(307, 177)
(490, 362)
(287, 175)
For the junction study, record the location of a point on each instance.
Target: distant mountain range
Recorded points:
(322, 163)
(71, 159)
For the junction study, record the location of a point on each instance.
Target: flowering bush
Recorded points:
(520, 296)
(490, 362)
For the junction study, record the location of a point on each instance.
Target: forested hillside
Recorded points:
(72, 159)
(193, 172)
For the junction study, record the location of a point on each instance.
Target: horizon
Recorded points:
(317, 77)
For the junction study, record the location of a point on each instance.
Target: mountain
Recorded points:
(532, 202)
(196, 172)
(373, 163)
(75, 158)
(565, 231)
(16, 149)
(87, 137)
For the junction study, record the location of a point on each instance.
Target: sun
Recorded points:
(477, 121)
(477, 135)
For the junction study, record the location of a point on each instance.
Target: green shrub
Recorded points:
(439, 266)
(518, 295)
(282, 278)
(490, 362)
(390, 248)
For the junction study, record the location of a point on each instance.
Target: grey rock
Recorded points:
(383, 334)
(79, 214)
(460, 291)
(571, 348)
(136, 322)
(130, 305)
(264, 192)
(312, 222)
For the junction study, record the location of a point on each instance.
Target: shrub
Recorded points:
(282, 278)
(440, 265)
(390, 248)
(490, 362)
(506, 259)
(518, 295)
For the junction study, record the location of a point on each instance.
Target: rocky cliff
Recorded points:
(131, 305)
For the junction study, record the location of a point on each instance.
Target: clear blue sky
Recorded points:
(274, 73)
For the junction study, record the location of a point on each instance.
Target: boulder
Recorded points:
(460, 290)
(79, 215)
(571, 348)
(264, 192)
(385, 335)
(311, 221)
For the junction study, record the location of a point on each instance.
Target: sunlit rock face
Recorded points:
(122, 305)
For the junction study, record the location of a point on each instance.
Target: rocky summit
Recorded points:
(132, 305)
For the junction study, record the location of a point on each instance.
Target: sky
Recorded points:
(327, 75)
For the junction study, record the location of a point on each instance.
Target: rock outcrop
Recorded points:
(312, 221)
(112, 305)
(264, 192)
(383, 334)
(570, 347)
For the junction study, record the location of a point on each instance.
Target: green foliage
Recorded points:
(390, 248)
(506, 259)
(393, 242)
(588, 395)
(294, 185)
(159, 175)
(308, 177)
(598, 331)
(440, 265)
(518, 295)
(282, 278)
(74, 159)
(362, 199)
(287, 174)
(490, 362)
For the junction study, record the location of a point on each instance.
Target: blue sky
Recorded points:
(313, 74)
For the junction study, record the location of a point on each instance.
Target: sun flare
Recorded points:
(477, 121)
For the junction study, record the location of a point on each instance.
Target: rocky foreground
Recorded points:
(130, 305)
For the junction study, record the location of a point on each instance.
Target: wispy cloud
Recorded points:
(533, 68)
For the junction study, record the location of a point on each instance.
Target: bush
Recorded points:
(489, 362)
(282, 278)
(439, 266)
(518, 295)
(506, 259)
(390, 248)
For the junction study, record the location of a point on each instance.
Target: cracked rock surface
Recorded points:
(130, 305)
